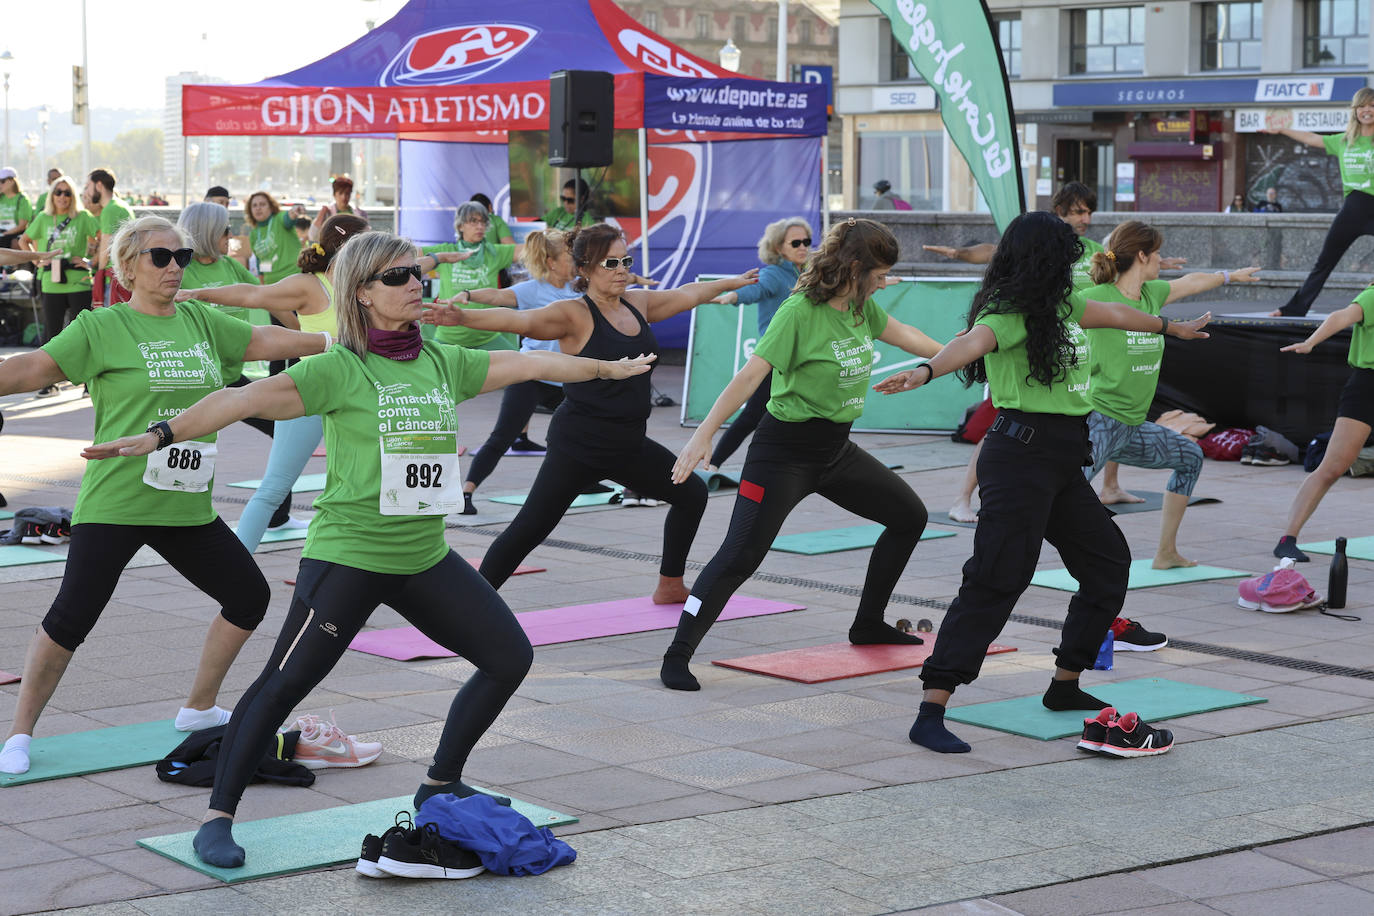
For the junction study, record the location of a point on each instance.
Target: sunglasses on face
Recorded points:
(161, 257)
(398, 276)
(568, 200)
(61, 192)
(612, 263)
(801, 243)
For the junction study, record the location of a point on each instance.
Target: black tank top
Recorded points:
(628, 399)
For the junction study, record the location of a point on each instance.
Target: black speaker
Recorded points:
(581, 116)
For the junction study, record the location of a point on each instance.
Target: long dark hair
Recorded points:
(849, 250)
(1031, 274)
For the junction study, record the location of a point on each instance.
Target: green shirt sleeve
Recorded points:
(778, 347)
(1154, 294)
(323, 380)
(72, 350)
(24, 210)
(469, 368)
(1334, 144)
(505, 255)
(877, 318)
(35, 233)
(241, 274)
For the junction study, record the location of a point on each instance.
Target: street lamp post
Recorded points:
(729, 56)
(43, 115)
(31, 144)
(5, 58)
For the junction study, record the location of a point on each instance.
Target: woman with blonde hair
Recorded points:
(389, 402)
(1355, 151)
(66, 282)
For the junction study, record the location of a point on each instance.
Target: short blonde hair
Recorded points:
(771, 243)
(540, 248)
(362, 257)
(72, 186)
(127, 244)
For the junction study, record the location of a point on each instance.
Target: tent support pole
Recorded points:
(185, 178)
(644, 201)
(825, 182)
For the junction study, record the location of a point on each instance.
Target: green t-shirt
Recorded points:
(41, 202)
(13, 211)
(1362, 335)
(559, 218)
(477, 272)
(115, 214)
(1009, 370)
(361, 399)
(277, 247)
(498, 229)
(1082, 268)
(1357, 162)
(224, 272)
(72, 239)
(1125, 364)
(140, 369)
(821, 360)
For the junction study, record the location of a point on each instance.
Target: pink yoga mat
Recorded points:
(7, 678)
(566, 624)
(834, 661)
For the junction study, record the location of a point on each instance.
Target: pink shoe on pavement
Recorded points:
(323, 745)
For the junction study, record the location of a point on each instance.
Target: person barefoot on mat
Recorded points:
(1026, 340)
(819, 353)
(389, 405)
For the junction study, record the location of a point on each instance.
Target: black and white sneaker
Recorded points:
(1130, 636)
(56, 533)
(47, 391)
(631, 498)
(424, 853)
(524, 446)
(1265, 455)
(33, 533)
(1095, 730)
(1128, 736)
(372, 847)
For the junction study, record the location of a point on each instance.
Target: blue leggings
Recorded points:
(292, 445)
(1148, 445)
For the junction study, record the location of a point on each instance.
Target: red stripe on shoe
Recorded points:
(751, 491)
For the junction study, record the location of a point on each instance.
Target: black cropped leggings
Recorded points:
(209, 556)
(786, 463)
(517, 406)
(59, 307)
(448, 602)
(1354, 219)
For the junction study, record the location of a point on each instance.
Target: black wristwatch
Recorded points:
(163, 432)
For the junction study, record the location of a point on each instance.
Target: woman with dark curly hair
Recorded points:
(1026, 339)
(818, 352)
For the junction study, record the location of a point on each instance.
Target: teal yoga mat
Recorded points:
(582, 501)
(718, 480)
(6, 514)
(96, 751)
(837, 539)
(24, 555)
(285, 534)
(306, 483)
(1355, 548)
(1153, 699)
(1142, 576)
(296, 842)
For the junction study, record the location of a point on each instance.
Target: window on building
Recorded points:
(1107, 40)
(773, 28)
(1231, 35)
(1009, 40)
(805, 29)
(1335, 33)
(651, 20)
(913, 162)
(741, 30)
(901, 69)
(703, 25)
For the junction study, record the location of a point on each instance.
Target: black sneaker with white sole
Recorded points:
(1095, 730)
(424, 853)
(372, 847)
(1128, 736)
(1130, 636)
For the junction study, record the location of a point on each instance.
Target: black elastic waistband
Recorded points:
(1027, 427)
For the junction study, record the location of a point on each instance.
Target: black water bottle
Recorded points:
(1340, 571)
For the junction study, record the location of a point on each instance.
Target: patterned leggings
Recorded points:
(1148, 445)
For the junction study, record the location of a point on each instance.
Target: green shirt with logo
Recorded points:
(14, 210)
(1082, 268)
(478, 272)
(140, 369)
(50, 232)
(224, 272)
(361, 399)
(559, 218)
(1009, 369)
(1356, 159)
(1125, 364)
(1362, 335)
(821, 359)
(277, 247)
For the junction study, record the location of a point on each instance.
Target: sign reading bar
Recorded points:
(1317, 120)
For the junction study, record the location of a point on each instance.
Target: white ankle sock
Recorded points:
(193, 720)
(14, 758)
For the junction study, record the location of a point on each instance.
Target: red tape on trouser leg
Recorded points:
(751, 491)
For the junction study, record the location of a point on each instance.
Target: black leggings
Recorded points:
(448, 602)
(1029, 492)
(517, 406)
(1355, 218)
(745, 423)
(787, 462)
(58, 307)
(209, 556)
(646, 468)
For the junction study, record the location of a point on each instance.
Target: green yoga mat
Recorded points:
(582, 501)
(718, 480)
(5, 514)
(1355, 548)
(24, 555)
(1142, 576)
(96, 751)
(1153, 699)
(837, 539)
(284, 534)
(306, 483)
(296, 842)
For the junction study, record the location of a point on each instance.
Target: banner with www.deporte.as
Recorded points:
(953, 46)
(683, 103)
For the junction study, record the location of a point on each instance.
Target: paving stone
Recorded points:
(1320, 897)
(1349, 852)
(721, 768)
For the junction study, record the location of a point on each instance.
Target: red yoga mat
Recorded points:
(837, 660)
(566, 624)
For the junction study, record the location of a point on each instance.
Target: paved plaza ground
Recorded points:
(755, 795)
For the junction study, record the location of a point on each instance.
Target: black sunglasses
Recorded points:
(612, 263)
(801, 243)
(398, 276)
(61, 192)
(161, 257)
(568, 200)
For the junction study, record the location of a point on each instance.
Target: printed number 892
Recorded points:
(423, 476)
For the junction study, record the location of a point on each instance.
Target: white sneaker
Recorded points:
(322, 744)
(291, 524)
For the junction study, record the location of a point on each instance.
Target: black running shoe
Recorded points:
(56, 533)
(424, 853)
(1095, 730)
(1130, 636)
(33, 534)
(372, 847)
(1130, 737)
(524, 446)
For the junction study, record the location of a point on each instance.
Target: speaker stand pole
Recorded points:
(581, 199)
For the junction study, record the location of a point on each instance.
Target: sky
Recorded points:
(133, 45)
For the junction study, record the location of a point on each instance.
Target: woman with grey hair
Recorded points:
(389, 402)
(146, 359)
(478, 271)
(783, 249)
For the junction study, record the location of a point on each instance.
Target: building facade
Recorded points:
(1160, 106)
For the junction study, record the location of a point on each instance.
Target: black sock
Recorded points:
(1064, 695)
(880, 632)
(468, 507)
(929, 731)
(675, 674)
(215, 845)
(458, 788)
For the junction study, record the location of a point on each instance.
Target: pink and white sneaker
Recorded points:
(323, 745)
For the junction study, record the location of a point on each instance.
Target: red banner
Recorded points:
(315, 111)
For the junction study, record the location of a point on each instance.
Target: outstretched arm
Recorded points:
(509, 367)
(973, 344)
(1302, 136)
(552, 322)
(698, 448)
(912, 340)
(969, 254)
(659, 304)
(29, 372)
(1331, 325)
(1202, 281)
(16, 256)
(270, 342)
(505, 298)
(1123, 317)
(289, 294)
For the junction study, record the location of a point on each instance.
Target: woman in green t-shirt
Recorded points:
(15, 209)
(482, 263)
(66, 280)
(146, 359)
(1026, 340)
(272, 236)
(818, 351)
(1355, 149)
(388, 400)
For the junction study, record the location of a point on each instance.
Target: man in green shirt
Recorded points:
(114, 212)
(564, 216)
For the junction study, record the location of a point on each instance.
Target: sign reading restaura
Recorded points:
(952, 46)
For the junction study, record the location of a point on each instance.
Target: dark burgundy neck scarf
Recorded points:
(399, 345)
